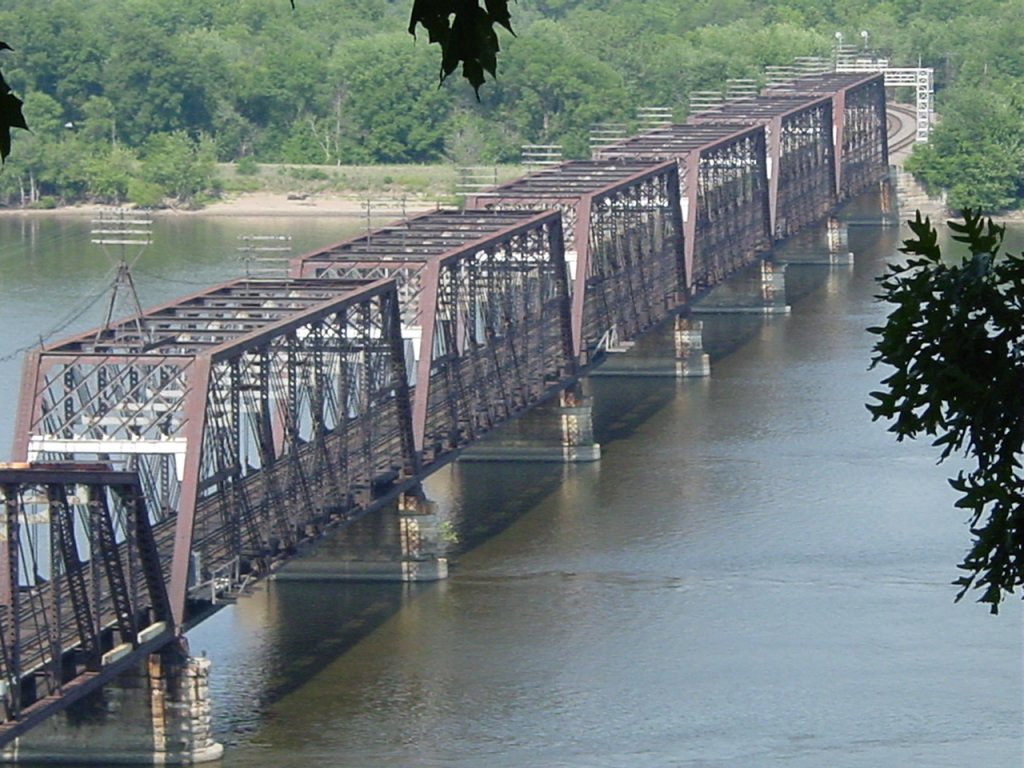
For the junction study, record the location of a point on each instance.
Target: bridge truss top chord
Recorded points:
(600, 201)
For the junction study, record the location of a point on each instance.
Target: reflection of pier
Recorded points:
(171, 459)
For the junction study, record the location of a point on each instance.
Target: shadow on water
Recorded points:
(271, 659)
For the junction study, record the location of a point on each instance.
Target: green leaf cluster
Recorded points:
(465, 32)
(976, 154)
(955, 342)
(343, 83)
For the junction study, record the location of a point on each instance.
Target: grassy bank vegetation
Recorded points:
(138, 100)
(432, 183)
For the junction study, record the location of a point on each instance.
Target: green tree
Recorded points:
(554, 92)
(976, 153)
(390, 113)
(34, 170)
(955, 342)
(182, 168)
(10, 113)
(108, 173)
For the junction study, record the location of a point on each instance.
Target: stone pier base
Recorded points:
(561, 431)
(773, 288)
(401, 542)
(759, 290)
(155, 714)
(671, 351)
(691, 359)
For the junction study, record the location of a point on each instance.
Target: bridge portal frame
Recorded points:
(724, 193)
(249, 410)
(470, 281)
(801, 155)
(622, 283)
(100, 567)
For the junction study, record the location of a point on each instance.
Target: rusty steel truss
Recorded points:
(723, 193)
(801, 156)
(860, 130)
(486, 307)
(81, 591)
(254, 413)
(623, 240)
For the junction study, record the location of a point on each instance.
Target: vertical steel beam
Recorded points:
(583, 256)
(27, 403)
(839, 137)
(774, 159)
(428, 313)
(689, 180)
(9, 592)
(181, 559)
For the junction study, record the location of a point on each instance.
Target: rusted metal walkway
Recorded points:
(169, 459)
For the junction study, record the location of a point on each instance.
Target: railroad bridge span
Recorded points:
(166, 461)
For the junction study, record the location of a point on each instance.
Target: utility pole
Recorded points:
(116, 231)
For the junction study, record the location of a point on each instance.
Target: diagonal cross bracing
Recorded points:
(81, 589)
(800, 154)
(624, 242)
(250, 411)
(723, 193)
(859, 124)
(485, 310)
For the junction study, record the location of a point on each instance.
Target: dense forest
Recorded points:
(139, 99)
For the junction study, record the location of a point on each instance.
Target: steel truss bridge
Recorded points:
(166, 460)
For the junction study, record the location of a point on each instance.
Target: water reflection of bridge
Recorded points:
(169, 460)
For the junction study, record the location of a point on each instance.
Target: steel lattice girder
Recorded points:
(860, 130)
(801, 156)
(486, 304)
(623, 228)
(229, 403)
(81, 591)
(724, 192)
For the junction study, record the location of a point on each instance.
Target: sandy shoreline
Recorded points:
(260, 204)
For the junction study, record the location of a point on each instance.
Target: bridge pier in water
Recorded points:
(560, 430)
(400, 542)
(674, 350)
(823, 245)
(155, 713)
(757, 289)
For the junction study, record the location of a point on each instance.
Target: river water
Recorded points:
(754, 574)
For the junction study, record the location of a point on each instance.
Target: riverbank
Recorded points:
(264, 204)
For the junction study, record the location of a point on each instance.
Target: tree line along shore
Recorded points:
(144, 101)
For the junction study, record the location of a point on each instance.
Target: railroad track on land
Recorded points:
(901, 126)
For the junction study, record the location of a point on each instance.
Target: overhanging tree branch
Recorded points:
(466, 33)
(955, 340)
(10, 113)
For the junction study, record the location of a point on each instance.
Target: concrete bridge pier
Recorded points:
(773, 288)
(692, 362)
(758, 289)
(673, 350)
(559, 430)
(401, 541)
(157, 713)
(838, 243)
(824, 245)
